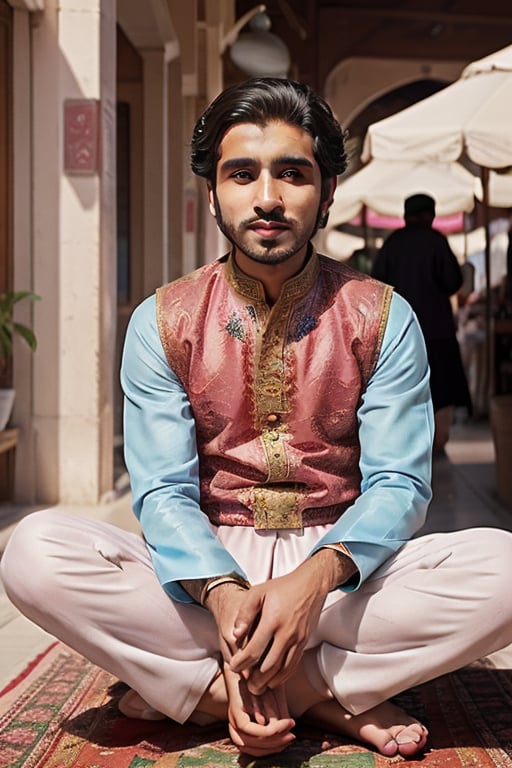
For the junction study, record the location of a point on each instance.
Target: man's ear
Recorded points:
(328, 189)
(211, 199)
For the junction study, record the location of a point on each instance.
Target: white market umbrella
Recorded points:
(383, 185)
(472, 115)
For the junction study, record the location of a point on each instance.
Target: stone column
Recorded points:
(74, 252)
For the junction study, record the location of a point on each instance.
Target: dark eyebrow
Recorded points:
(293, 160)
(250, 162)
(237, 162)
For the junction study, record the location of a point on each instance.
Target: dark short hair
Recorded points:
(419, 203)
(259, 101)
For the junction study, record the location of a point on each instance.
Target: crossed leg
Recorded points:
(439, 604)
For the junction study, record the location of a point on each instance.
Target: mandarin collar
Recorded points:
(294, 288)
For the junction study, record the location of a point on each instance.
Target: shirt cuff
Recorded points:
(344, 550)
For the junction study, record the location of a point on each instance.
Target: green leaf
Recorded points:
(27, 334)
(5, 340)
(12, 297)
(8, 327)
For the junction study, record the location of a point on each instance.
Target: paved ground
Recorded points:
(464, 484)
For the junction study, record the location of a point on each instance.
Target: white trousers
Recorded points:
(441, 602)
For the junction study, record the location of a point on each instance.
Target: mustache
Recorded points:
(275, 216)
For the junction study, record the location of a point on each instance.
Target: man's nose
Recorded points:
(268, 196)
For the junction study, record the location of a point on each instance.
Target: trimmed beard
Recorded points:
(283, 254)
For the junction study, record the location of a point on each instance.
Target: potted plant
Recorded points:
(9, 328)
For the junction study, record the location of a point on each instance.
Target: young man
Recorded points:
(278, 436)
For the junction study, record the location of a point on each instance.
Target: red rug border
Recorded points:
(28, 669)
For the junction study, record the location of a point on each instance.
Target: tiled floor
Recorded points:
(464, 485)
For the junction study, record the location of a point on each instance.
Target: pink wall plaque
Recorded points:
(81, 136)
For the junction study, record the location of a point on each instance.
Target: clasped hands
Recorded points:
(263, 632)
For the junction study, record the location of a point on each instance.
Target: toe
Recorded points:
(411, 739)
(390, 749)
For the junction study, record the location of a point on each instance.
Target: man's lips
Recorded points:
(268, 228)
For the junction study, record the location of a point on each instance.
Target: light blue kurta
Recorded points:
(396, 430)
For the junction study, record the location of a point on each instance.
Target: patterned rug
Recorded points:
(62, 712)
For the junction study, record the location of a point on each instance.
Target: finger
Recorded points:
(269, 729)
(259, 747)
(261, 750)
(277, 673)
(257, 744)
(271, 705)
(227, 649)
(248, 615)
(254, 652)
(268, 703)
(259, 715)
(274, 727)
(276, 732)
(286, 668)
(284, 650)
(252, 704)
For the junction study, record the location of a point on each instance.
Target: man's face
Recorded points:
(268, 191)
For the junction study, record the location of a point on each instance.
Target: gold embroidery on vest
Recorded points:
(386, 305)
(274, 445)
(271, 394)
(276, 507)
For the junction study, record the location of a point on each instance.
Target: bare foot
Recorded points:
(386, 727)
(131, 704)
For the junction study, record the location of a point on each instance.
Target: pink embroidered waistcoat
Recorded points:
(274, 391)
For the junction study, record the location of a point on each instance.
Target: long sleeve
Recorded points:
(396, 430)
(161, 457)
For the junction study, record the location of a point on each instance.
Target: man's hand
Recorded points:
(275, 619)
(258, 725)
(224, 603)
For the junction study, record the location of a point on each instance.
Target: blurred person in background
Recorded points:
(418, 262)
